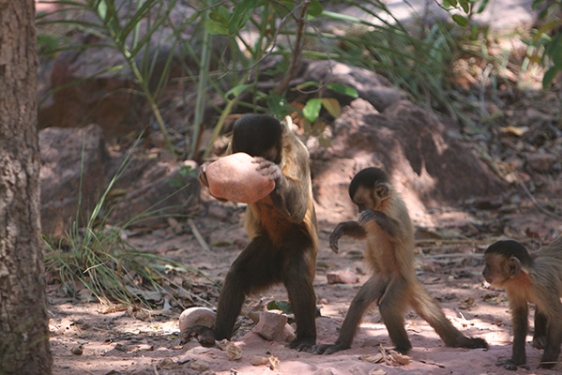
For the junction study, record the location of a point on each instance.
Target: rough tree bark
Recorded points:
(24, 332)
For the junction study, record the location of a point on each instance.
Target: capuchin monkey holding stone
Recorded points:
(282, 231)
(384, 224)
(537, 278)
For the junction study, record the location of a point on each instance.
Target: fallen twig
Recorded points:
(541, 208)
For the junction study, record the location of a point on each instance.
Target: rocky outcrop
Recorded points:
(427, 166)
(73, 166)
(76, 171)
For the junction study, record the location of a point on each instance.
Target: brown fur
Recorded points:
(281, 227)
(386, 226)
(537, 278)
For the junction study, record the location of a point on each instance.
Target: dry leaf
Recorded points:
(466, 303)
(515, 130)
(168, 364)
(332, 106)
(199, 365)
(399, 358)
(233, 352)
(377, 371)
(273, 363)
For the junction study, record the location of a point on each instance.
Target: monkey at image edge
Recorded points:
(534, 277)
(282, 231)
(385, 224)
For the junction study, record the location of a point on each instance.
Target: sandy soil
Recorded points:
(146, 342)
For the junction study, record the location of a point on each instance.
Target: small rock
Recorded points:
(259, 360)
(342, 277)
(197, 316)
(199, 365)
(77, 350)
(168, 364)
(270, 325)
(541, 162)
(235, 178)
(233, 352)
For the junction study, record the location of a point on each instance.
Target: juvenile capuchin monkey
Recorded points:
(537, 278)
(282, 231)
(384, 224)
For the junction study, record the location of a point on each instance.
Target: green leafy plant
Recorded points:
(131, 38)
(545, 45)
(97, 258)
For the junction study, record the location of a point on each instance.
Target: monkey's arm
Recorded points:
(385, 222)
(290, 195)
(519, 316)
(348, 228)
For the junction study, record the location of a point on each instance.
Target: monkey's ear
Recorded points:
(514, 266)
(382, 190)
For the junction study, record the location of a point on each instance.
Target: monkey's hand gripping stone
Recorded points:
(235, 178)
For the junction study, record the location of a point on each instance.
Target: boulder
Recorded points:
(152, 189)
(370, 86)
(73, 165)
(426, 165)
(82, 88)
(76, 169)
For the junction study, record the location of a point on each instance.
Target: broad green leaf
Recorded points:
(219, 17)
(482, 7)
(215, 28)
(343, 89)
(555, 51)
(465, 5)
(102, 9)
(460, 20)
(332, 106)
(452, 3)
(241, 14)
(278, 105)
(315, 8)
(282, 7)
(280, 305)
(549, 77)
(312, 109)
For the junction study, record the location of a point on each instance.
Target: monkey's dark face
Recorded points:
(499, 269)
(371, 197)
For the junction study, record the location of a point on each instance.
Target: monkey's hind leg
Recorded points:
(429, 310)
(539, 337)
(371, 291)
(298, 278)
(249, 273)
(392, 306)
(553, 335)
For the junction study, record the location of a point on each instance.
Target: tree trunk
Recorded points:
(24, 331)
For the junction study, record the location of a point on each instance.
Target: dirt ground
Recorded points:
(86, 339)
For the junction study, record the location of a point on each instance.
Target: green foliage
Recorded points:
(311, 110)
(98, 259)
(417, 64)
(280, 305)
(256, 31)
(545, 47)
